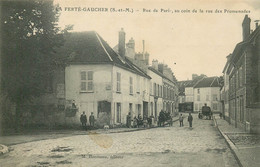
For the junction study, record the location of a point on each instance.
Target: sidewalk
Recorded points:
(245, 146)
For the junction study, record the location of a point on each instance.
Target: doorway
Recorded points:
(145, 109)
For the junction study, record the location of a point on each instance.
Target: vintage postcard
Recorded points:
(130, 83)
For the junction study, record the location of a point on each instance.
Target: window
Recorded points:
(131, 108)
(151, 108)
(131, 85)
(139, 109)
(83, 81)
(118, 82)
(198, 90)
(198, 97)
(138, 84)
(240, 76)
(158, 90)
(154, 89)
(90, 81)
(118, 112)
(151, 88)
(164, 91)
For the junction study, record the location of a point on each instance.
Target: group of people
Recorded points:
(138, 121)
(190, 119)
(165, 117)
(83, 120)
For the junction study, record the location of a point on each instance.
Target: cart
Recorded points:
(205, 113)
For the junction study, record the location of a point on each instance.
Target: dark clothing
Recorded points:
(181, 123)
(206, 111)
(83, 120)
(162, 118)
(128, 121)
(171, 121)
(74, 105)
(190, 124)
(149, 121)
(190, 118)
(181, 120)
(91, 120)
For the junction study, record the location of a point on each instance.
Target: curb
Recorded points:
(3, 149)
(230, 144)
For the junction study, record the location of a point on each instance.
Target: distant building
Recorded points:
(170, 89)
(207, 91)
(225, 90)
(156, 94)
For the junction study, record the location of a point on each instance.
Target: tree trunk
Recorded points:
(17, 122)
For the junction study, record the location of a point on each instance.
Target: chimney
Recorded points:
(246, 27)
(130, 49)
(155, 64)
(131, 43)
(121, 43)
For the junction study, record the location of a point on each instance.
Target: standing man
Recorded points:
(181, 120)
(190, 118)
(83, 120)
(91, 119)
(128, 120)
(171, 121)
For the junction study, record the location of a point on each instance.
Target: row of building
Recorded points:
(199, 91)
(240, 95)
(110, 82)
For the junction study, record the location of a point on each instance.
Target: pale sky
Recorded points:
(197, 42)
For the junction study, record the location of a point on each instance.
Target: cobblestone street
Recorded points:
(167, 146)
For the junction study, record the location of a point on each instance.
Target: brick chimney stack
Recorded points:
(121, 43)
(130, 49)
(155, 64)
(131, 43)
(246, 27)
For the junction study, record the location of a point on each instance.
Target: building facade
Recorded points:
(244, 80)
(106, 83)
(207, 91)
(156, 101)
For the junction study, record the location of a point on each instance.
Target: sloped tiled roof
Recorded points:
(90, 48)
(182, 85)
(208, 82)
(237, 53)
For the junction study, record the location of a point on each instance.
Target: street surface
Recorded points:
(199, 146)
